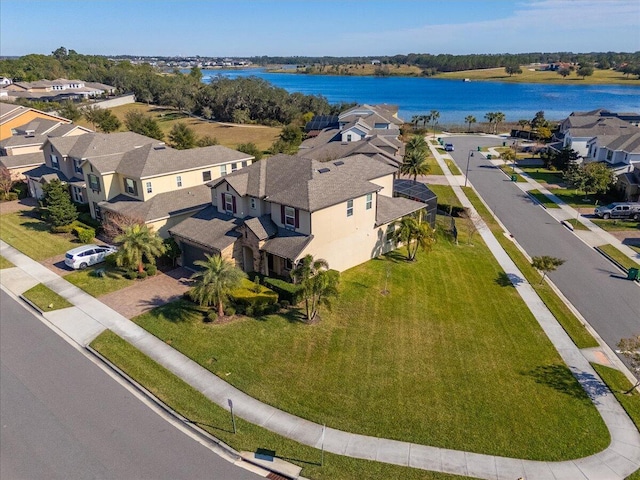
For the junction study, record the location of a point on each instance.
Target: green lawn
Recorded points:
(434, 167)
(618, 256)
(45, 299)
(614, 225)
(543, 175)
(453, 167)
(207, 415)
(508, 169)
(574, 328)
(30, 235)
(4, 263)
(543, 199)
(445, 194)
(95, 285)
(577, 225)
(431, 363)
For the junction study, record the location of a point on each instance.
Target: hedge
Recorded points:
(286, 291)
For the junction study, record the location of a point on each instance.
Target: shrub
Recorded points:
(284, 304)
(286, 291)
(142, 275)
(85, 218)
(248, 310)
(230, 310)
(131, 274)
(21, 189)
(11, 196)
(85, 235)
(110, 261)
(63, 229)
(212, 316)
(152, 270)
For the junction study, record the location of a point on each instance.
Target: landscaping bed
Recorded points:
(431, 362)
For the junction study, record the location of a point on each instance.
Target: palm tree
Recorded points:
(319, 284)
(415, 120)
(138, 242)
(523, 123)
(414, 164)
(415, 234)
(490, 116)
(434, 116)
(469, 119)
(416, 142)
(499, 118)
(214, 282)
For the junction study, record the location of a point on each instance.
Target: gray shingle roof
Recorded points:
(594, 126)
(47, 173)
(626, 143)
(308, 184)
(209, 228)
(287, 244)
(161, 206)
(262, 227)
(390, 209)
(25, 160)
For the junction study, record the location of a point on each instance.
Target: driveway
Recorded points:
(150, 293)
(17, 205)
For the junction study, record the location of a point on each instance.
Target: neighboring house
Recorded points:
(620, 152)
(58, 90)
(4, 81)
(14, 116)
(628, 184)
(367, 130)
(274, 212)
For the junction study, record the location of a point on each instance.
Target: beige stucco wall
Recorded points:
(168, 183)
(386, 183)
(23, 150)
(163, 226)
(347, 241)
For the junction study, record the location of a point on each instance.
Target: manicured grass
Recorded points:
(96, 286)
(30, 235)
(543, 199)
(576, 224)
(207, 415)
(618, 256)
(571, 324)
(434, 168)
(228, 135)
(432, 362)
(45, 299)
(604, 77)
(445, 194)
(453, 167)
(576, 198)
(616, 225)
(544, 175)
(4, 263)
(508, 169)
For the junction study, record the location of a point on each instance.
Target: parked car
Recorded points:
(619, 210)
(448, 147)
(86, 255)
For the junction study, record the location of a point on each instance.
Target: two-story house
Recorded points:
(274, 212)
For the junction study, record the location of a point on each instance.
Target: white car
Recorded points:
(82, 257)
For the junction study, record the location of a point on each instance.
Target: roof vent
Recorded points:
(324, 170)
(338, 163)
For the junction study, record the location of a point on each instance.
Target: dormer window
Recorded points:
(290, 217)
(55, 163)
(131, 186)
(76, 166)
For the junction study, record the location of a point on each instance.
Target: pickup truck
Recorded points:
(619, 210)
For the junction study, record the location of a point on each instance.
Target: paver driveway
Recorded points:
(152, 292)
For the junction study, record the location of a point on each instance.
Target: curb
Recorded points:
(31, 304)
(614, 261)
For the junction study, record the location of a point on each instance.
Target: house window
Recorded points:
(206, 176)
(76, 165)
(609, 154)
(389, 236)
(289, 217)
(131, 186)
(149, 187)
(94, 182)
(234, 167)
(97, 211)
(77, 195)
(348, 137)
(54, 161)
(244, 164)
(369, 203)
(179, 181)
(349, 208)
(288, 264)
(252, 203)
(229, 202)
(223, 170)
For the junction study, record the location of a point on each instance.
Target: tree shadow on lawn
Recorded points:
(587, 389)
(178, 311)
(508, 279)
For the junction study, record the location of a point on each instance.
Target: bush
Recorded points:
(142, 275)
(86, 235)
(152, 270)
(230, 310)
(21, 188)
(284, 304)
(286, 291)
(85, 218)
(131, 275)
(9, 197)
(212, 316)
(63, 229)
(110, 261)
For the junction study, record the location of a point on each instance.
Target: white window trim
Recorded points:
(179, 181)
(149, 187)
(350, 208)
(369, 201)
(289, 214)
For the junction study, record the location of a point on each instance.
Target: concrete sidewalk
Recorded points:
(88, 317)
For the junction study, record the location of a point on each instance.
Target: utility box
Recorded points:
(633, 274)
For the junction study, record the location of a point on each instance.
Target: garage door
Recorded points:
(191, 253)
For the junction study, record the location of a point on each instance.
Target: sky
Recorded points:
(244, 28)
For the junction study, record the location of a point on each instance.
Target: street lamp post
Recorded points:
(466, 173)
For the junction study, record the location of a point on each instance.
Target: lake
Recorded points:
(454, 99)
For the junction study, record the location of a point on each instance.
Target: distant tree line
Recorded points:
(242, 100)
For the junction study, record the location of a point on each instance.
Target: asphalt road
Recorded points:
(609, 302)
(62, 417)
